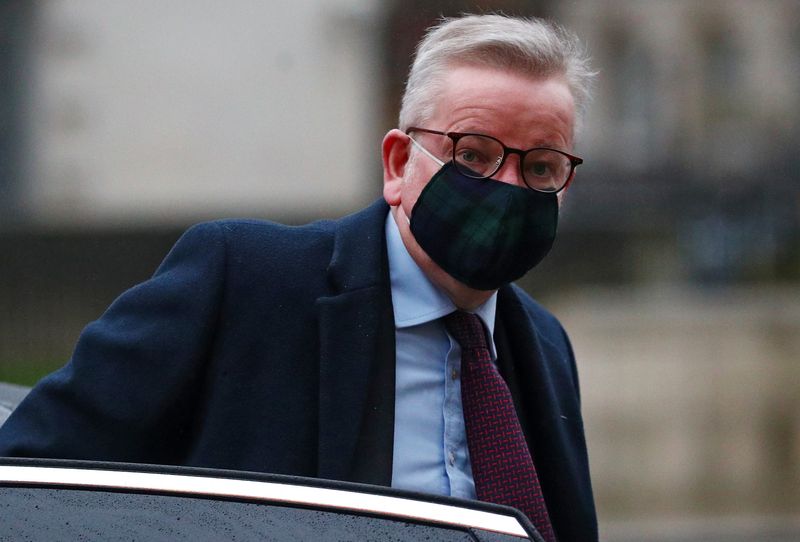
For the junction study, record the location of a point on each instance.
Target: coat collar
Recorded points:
(359, 252)
(356, 337)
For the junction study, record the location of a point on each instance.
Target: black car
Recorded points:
(10, 396)
(51, 500)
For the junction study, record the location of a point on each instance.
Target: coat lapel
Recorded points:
(542, 376)
(356, 334)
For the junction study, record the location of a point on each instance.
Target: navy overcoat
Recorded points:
(264, 347)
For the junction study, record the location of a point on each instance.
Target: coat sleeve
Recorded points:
(131, 388)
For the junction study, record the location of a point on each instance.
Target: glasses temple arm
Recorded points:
(425, 151)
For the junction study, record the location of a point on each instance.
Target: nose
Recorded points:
(510, 172)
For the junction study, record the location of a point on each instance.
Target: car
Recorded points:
(47, 500)
(52, 499)
(10, 397)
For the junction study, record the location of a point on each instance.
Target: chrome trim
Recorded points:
(338, 499)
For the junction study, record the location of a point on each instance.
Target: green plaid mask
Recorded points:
(482, 232)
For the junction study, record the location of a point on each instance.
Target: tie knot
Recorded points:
(467, 329)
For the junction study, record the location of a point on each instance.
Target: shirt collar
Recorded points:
(415, 299)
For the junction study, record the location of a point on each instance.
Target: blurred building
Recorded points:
(677, 269)
(164, 114)
(694, 131)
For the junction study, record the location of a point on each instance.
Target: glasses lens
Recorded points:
(478, 156)
(546, 170)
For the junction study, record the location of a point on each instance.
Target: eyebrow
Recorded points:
(540, 143)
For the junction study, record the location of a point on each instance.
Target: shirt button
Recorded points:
(454, 374)
(451, 457)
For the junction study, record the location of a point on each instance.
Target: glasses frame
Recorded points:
(574, 161)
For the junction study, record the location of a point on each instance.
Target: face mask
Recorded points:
(482, 232)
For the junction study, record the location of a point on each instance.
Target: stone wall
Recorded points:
(691, 399)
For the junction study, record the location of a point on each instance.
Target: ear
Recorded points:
(395, 152)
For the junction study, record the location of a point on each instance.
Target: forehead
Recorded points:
(520, 110)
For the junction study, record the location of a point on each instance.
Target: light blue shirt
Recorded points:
(430, 443)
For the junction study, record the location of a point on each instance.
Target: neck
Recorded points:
(464, 297)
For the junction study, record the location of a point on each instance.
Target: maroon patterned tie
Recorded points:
(501, 462)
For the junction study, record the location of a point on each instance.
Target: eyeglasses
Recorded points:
(480, 156)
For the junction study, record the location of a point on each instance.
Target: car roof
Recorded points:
(10, 396)
(265, 488)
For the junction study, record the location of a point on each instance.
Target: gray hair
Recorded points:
(532, 47)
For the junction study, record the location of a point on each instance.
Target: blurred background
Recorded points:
(676, 271)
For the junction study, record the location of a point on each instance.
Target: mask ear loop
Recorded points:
(427, 153)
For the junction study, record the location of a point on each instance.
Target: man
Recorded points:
(336, 349)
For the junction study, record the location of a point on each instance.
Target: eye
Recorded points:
(471, 156)
(540, 168)
(480, 155)
(546, 164)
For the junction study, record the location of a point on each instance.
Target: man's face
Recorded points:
(519, 111)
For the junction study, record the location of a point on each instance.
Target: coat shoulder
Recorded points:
(265, 235)
(543, 320)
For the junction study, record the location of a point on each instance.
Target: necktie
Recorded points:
(501, 462)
